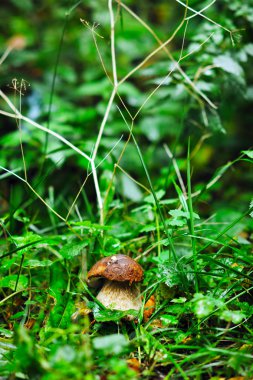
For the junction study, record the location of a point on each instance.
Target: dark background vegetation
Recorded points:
(67, 90)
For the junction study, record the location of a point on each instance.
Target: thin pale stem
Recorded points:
(104, 121)
(166, 50)
(183, 42)
(99, 198)
(202, 10)
(113, 55)
(169, 74)
(132, 179)
(154, 52)
(197, 48)
(5, 54)
(18, 115)
(34, 191)
(199, 13)
(20, 135)
(76, 197)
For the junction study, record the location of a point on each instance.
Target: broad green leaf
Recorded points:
(28, 240)
(60, 315)
(249, 49)
(179, 213)
(111, 245)
(234, 316)
(10, 282)
(159, 194)
(65, 354)
(6, 346)
(58, 280)
(203, 305)
(94, 88)
(6, 333)
(168, 319)
(130, 189)
(148, 228)
(228, 64)
(248, 153)
(169, 273)
(71, 250)
(18, 315)
(214, 122)
(30, 237)
(12, 139)
(111, 344)
(179, 300)
(180, 217)
(177, 222)
(37, 263)
(251, 206)
(26, 357)
(107, 315)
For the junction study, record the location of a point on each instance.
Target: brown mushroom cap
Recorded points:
(117, 268)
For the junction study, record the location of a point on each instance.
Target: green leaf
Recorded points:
(184, 214)
(30, 237)
(169, 273)
(7, 334)
(168, 319)
(18, 315)
(234, 316)
(159, 195)
(249, 49)
(71, 250)
(27, 241)
(203, 305)
(228, 64)
(214, 121)
(26, 357)
(180, 217)
(107, 315)
(58, 280)
(179, 300)
(248, 153)
(251, 207)
(129, 188)
(37, 263)
(111, 344)
(86, 224)
(177, 222)
(10, 282)
(111, 245)
(61, 313)
(179, 213)
(156, 127)
(94, 88)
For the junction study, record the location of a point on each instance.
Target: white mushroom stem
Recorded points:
(117, 295)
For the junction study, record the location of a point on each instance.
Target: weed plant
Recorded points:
(133, 145)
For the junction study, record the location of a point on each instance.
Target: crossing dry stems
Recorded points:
(116, 83)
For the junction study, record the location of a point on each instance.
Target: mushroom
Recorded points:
(120, 290)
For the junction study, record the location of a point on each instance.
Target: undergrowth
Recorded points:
(121, 164)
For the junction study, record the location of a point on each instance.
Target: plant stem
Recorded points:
(191, 221)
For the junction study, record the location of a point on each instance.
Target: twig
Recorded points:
(166, 50)
(18, 115)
